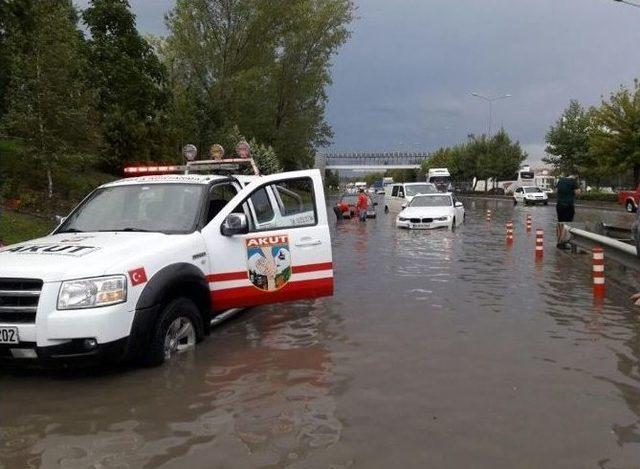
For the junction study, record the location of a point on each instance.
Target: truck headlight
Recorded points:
(441, 219)
(92, 292)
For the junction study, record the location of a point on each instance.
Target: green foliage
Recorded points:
(331, 179)
(129, 81)
(261, 65)
(50, 106)
(402, 175)
(497, 157)
(568, 140)
(264, 155)
(16, 227)
(615, 139)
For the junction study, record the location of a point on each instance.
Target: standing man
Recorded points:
(363, 203)
(566, 190)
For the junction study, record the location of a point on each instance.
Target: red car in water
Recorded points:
(346, 207)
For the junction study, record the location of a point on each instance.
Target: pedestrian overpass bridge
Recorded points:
(369, 161)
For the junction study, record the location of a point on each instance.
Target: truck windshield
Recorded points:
(431, 201)
(164, 208)
(415, 189)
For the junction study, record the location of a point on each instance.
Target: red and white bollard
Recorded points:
(509, 232)
(528, 223)
(539, 243)
(488, 215)
(598, 273)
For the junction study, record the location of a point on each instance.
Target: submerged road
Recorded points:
(439, 349)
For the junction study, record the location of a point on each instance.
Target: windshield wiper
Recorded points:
(134, 229)
(131, 229)
(71, 230)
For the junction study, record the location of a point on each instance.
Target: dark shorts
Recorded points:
(565, 212)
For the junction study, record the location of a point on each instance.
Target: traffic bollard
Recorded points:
(509, 232)
(528, 223)
(488, 215)
(539, 243)
(598, 273)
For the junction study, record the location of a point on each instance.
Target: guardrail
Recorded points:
(615, 250)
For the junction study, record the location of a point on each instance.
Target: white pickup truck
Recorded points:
(144, 265)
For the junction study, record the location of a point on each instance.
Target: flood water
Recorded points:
(439, 349)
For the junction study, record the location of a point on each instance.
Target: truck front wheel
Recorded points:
(630, 206)
(178, 328)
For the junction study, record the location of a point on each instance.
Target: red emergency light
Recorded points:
(207, 166)
(151, 170)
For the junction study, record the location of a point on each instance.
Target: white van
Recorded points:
(402, 193)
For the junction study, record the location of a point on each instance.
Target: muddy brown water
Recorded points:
(439, 349)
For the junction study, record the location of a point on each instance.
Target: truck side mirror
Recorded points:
(60, 219)
(234, 224)
(404, 206)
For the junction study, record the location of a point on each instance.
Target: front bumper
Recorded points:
(536, 201)
(423, 226)
(77, 352)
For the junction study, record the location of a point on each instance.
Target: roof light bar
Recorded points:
(208, 166)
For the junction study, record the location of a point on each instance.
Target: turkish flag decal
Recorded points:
(138, 276)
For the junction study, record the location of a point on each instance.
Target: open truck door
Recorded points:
(271, 243)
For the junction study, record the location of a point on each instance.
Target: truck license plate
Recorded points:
(420, 226)
(9, 335)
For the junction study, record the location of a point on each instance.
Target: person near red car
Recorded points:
(363, 204)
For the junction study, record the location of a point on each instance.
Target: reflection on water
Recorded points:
(439, 349)
(260, 391)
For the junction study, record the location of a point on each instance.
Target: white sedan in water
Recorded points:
(427, 211)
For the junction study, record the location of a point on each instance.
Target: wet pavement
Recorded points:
(439, 349)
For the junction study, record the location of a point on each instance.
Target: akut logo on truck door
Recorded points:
(269, 261)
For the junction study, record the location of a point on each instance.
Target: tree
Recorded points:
(331, 179)
(441, 158)
(260, 65)
(16, 24)
(130, 84)
(568, 140)
(49, 103)
(615, 139)
(264, 155)
(300, 74)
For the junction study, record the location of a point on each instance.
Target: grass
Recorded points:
(17, 227)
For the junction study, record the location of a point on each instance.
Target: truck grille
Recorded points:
(19, 300)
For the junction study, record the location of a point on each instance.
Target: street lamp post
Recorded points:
(490, 100)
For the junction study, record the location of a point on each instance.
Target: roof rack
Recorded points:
(230, 165)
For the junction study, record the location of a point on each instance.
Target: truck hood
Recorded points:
(426, 212)
(68, 255)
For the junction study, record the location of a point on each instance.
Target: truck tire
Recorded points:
(178, 328)
(630, 206)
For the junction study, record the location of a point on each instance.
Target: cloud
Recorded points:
(419, 60)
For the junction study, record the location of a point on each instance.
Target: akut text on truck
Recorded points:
(143, 266)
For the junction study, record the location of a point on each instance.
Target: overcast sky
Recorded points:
(404, 79)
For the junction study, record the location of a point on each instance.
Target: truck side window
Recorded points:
(219, 197)
(394, 191)
(262, 206)
(296, 203)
